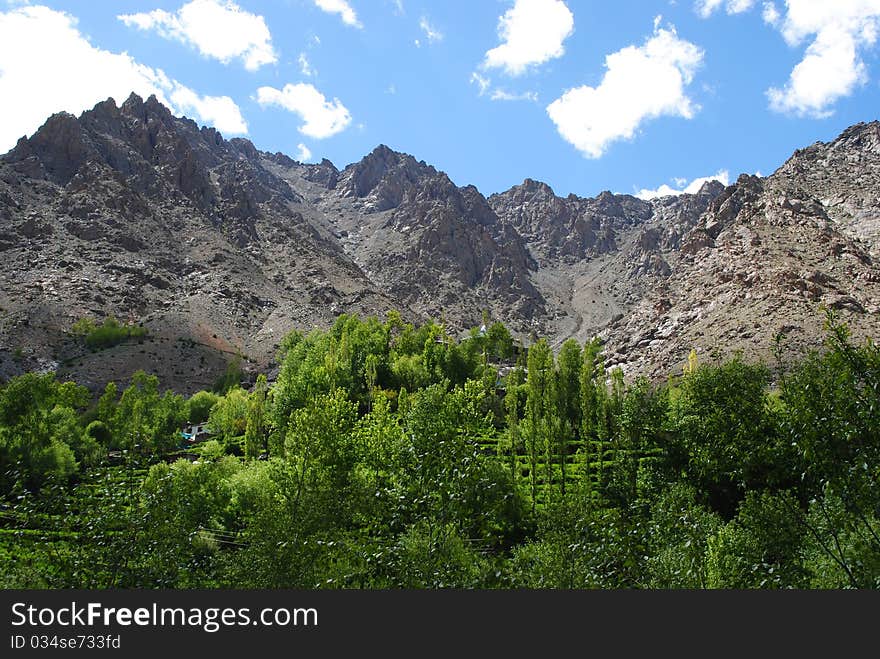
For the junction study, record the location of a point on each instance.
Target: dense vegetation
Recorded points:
(388, 455)
(107, 334)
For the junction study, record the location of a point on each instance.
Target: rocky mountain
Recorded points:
(220, 249)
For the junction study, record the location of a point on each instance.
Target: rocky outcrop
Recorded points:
(437, 247)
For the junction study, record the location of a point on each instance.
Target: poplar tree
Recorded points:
(568, 417)
(512, 411)
(588, 406)
(539, 404)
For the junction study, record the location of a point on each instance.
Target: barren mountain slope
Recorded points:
(220, 249)
(133, 213)
(765, 260)
(598, 256)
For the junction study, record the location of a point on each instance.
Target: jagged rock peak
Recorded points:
(383, 159)
(859, 135)
(324, 173)
(135, 107)
(132, 104)
(58, 148)
(750, 183)
(107, 106)
(245, 147)
(529, 189)
(531, 185)
(711, 188)
(385, 175)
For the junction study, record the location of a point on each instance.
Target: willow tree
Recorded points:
(255, 422)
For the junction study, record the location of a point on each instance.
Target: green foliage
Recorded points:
(143, 417)
(436, 556)
(761, 547)
(725, 429)
(106, 335)
(199, 406)
(255, 423)
(388, 455)
(231, 377)
(99, 432)
(681, 527)
(499, 342)
(40, 434)
(841, 544)
(228, 417)
(319, 440)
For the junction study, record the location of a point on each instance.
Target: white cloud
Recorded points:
(322, 118)
(770, 14)
(832, 67)
(484, 86)
(532, 32)
(683, 187)
(49, 66)
(303, 154)
(219, 111)
(305, 66)
(706, 8)
(739, 6)
(501, 95)
(431, 33)
(640, 83)
(481, 82)
(341, 7)
(219, 29)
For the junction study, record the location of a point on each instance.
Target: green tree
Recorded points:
(255, 422)
(727, 429)
(830, 418)
(514, 403)
(231, 377)
(568, 402)
(589, 405)
(199, 406)
(760, 547)
(229, 417)
(146, 418)
(539, 437)
(40, 437)
(499, 342)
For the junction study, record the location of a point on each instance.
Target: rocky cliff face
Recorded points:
(131, 212)
(436, 247)
(764, 261)
(221, 249)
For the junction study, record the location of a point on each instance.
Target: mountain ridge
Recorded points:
(220, 249)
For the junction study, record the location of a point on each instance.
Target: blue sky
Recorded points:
(628, 96)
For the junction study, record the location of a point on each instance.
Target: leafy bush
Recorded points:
(107, 334)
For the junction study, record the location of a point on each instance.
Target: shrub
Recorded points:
(107, 334)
